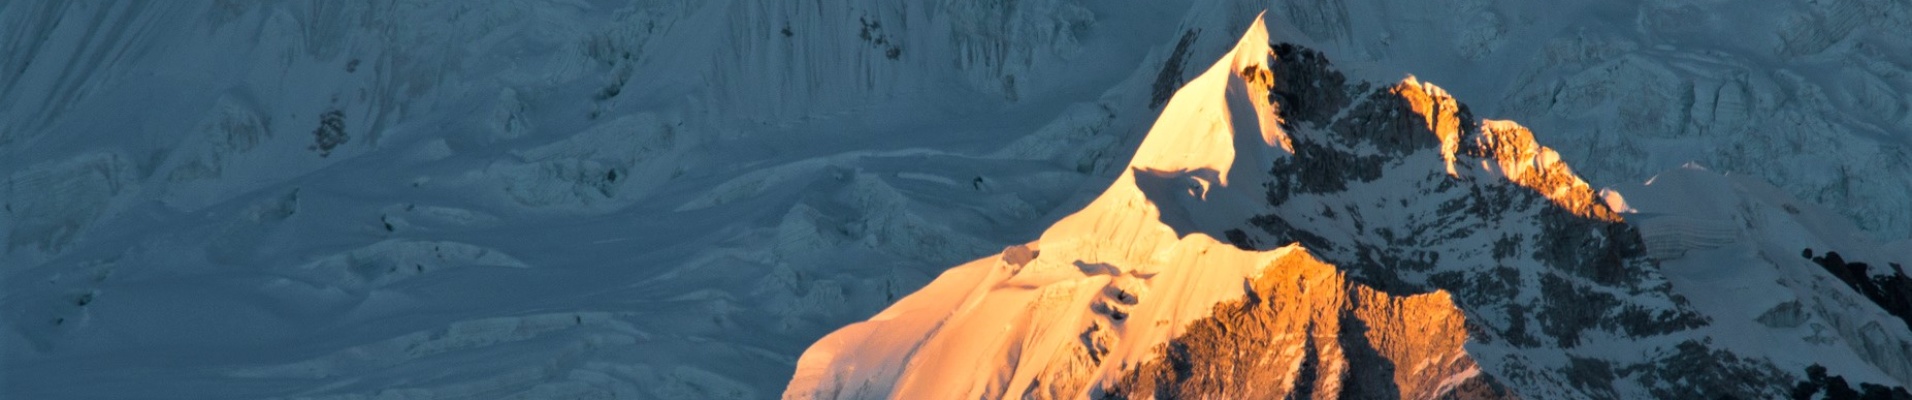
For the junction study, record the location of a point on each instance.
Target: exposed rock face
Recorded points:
(1380, 243)
(1305, 331)
(1819, 385)
(1402, 188)
(1890, 288)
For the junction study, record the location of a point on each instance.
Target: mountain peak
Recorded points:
(1525, 162)
(1282, 231)
(1103, 286)
(1216, 115)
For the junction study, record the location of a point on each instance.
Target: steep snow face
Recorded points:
(1422, 253)
(1106, 283)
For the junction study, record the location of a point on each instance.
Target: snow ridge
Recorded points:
(1429, 214)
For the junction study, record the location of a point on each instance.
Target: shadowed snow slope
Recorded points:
(1396, 248)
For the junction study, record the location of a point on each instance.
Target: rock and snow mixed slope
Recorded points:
(673, 199)
(1807, 94)
(1286, 231)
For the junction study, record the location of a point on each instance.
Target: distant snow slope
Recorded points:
(1421, 254)
(534, 199)
(410, 199)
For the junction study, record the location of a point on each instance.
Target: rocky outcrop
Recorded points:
(1889, 288)
(1305, 331)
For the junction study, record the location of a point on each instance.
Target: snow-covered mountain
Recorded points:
(1397, 248)
(674, 199)
(1806, 94)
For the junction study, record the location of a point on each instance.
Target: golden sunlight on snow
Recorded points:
(1537, 167)
(1114, 280)
(1437, 108)
(1511, 147)
(1090, 304)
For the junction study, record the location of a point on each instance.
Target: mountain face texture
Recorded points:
(675, 199)
(1284, 231)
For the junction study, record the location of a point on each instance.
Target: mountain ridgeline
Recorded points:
(1285, 231)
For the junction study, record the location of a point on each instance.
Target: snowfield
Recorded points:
(675, 199)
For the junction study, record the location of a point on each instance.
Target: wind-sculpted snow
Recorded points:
(1457, 257)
